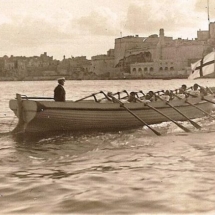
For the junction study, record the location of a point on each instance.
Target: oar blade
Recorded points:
(157, 133)
(179, 125)
(183, 128)
(195, 125)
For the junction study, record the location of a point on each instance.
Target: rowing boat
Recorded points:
(41, 115)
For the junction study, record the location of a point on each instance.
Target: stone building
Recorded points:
(74, 67)
(20, 67)
(80, 63)
(102, 65)
(156, 55)
(14, 66)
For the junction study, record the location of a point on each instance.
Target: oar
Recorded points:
(156, 110)
(105, 97)
(200, 109)
(176, 109)
(132, 113)
(208, 100)
(89, 96)
(127, 94)
(117, 93)
(143, 94)
(211, 92)
(174, 94)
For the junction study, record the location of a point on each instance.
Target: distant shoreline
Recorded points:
(108, 79)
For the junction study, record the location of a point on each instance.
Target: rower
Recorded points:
(150, 96)
(195, 90)
(182, 89)
(203, 91)
(198, 90)
(166, 95)
(132, 97)
(114, 100)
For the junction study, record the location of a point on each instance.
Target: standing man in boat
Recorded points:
(59, 91)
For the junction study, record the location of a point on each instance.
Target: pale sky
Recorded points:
(89, 27)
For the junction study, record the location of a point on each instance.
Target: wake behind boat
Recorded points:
(41, 115)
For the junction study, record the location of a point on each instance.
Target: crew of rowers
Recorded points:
(183, 92)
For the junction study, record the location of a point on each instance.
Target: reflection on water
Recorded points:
(124, 172)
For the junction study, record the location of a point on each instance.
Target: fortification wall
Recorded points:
(101, 66)
(212, 30)
(125, 43)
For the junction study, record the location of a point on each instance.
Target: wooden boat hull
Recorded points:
(49, 116)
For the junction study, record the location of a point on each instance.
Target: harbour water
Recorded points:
(122, 172)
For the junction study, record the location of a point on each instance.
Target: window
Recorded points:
(166, 68)
(140, 69)
(145, 69)
(134, 70)
(151, 69)
(161, 69)
(171, 68)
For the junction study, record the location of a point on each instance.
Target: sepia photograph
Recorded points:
(108, 107)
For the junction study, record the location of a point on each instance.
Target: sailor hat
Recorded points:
(61, 79)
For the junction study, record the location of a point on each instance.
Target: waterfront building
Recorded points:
(20, 67)
(155, 56)
(102, 65)
(75, 67)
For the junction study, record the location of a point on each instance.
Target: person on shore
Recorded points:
(59, 91)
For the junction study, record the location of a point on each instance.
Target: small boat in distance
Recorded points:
(43, 115)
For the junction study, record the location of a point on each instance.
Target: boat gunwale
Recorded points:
(118, 107)
(42, 106)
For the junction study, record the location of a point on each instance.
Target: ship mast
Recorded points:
(208, 12)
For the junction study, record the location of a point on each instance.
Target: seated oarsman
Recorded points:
(143, 99)
(115, 100)
(166, 95)
(172, 94)
(198, 90)
(195, 91)
(204, 91)
(132, 97)
(150, 96)
(182, 91)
